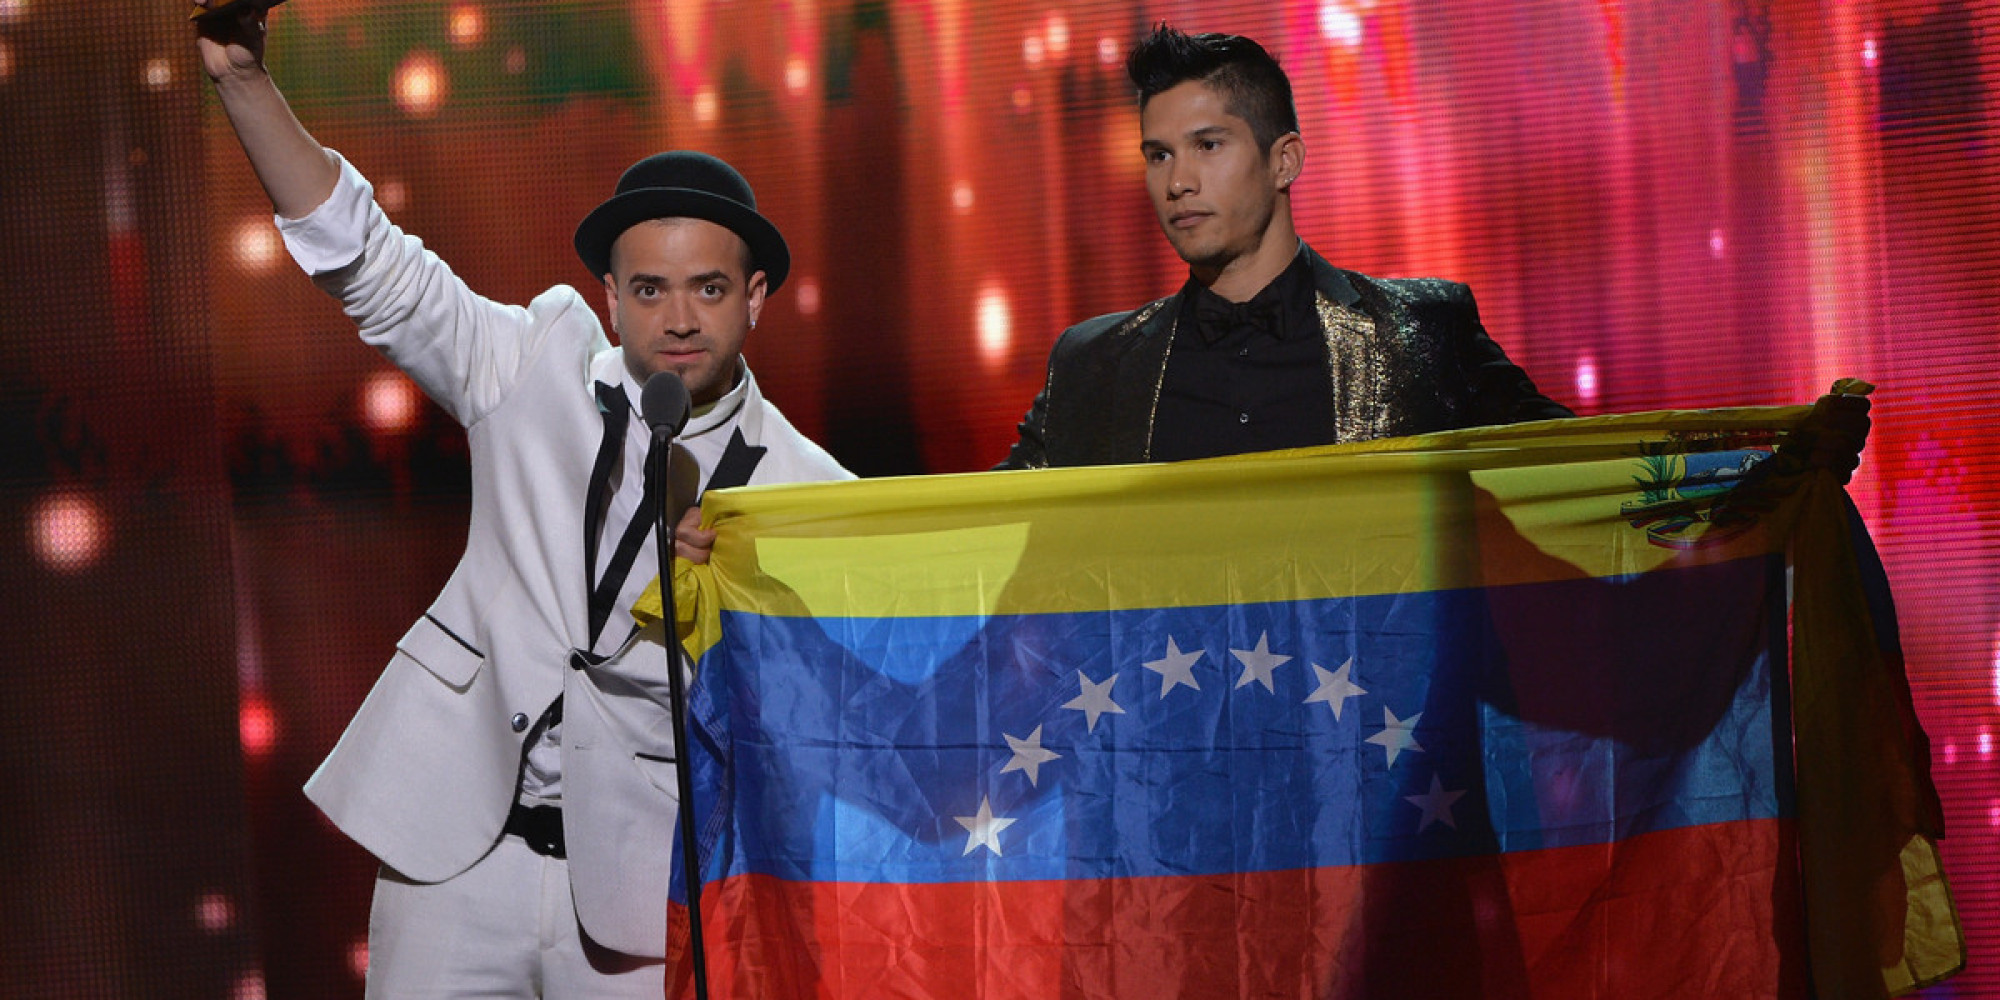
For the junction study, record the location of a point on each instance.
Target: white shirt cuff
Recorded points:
(331, 236)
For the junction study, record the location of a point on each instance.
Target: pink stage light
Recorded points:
(215, 912)
(68, 531)
(1586, 380)
(393, 195)
(256, 726)
(1996, 670)
(248, 986)
(1339, 23)
(389, 403)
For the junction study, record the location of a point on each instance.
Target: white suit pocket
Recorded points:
(441, 652)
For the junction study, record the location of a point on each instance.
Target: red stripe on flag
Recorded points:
(1697, 912)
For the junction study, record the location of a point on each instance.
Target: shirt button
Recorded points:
(1243, 418)
(519, 721)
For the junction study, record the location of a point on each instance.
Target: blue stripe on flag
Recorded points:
(1248, 737)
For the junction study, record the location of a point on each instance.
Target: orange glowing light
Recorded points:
(808, 296)
(798, 75)
(1056, 31)
(255, 244)
(465, 26)
(1032, 50)
(419, 85)
(707, 107)
(961, 197)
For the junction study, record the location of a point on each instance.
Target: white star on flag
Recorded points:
(1175, 668)
(1258, 663)
(1436, 805)
(1028, 754)
(983, 829)
(1397, 735)
(1095, 700)
(1334, 687)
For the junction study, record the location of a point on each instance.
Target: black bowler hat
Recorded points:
(686, 185)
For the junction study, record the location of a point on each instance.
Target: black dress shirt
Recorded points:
(1244, 377)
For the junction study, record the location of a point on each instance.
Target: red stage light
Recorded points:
(256, 726)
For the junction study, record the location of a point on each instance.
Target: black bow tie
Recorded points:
(1216, 317)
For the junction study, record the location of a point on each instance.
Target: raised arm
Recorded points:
(294, 168)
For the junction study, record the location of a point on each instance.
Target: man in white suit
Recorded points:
(513, 767)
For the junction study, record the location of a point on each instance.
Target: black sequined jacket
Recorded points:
(1408, 356)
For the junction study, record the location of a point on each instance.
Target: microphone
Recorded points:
(664, 404)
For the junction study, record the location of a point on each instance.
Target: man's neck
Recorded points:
(1242, 278)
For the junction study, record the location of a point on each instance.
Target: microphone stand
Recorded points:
(662, 451)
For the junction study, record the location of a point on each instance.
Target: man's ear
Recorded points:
(754, 292)
(1288, 160)
(611, 301)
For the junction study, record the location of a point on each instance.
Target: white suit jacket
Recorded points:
(426, 772)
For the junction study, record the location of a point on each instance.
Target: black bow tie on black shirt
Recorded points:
(1216, 317)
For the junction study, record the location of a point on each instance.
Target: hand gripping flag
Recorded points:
(1591, 708)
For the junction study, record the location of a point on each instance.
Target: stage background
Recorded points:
(221, 510)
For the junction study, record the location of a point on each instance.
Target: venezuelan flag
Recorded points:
(1507, 712)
